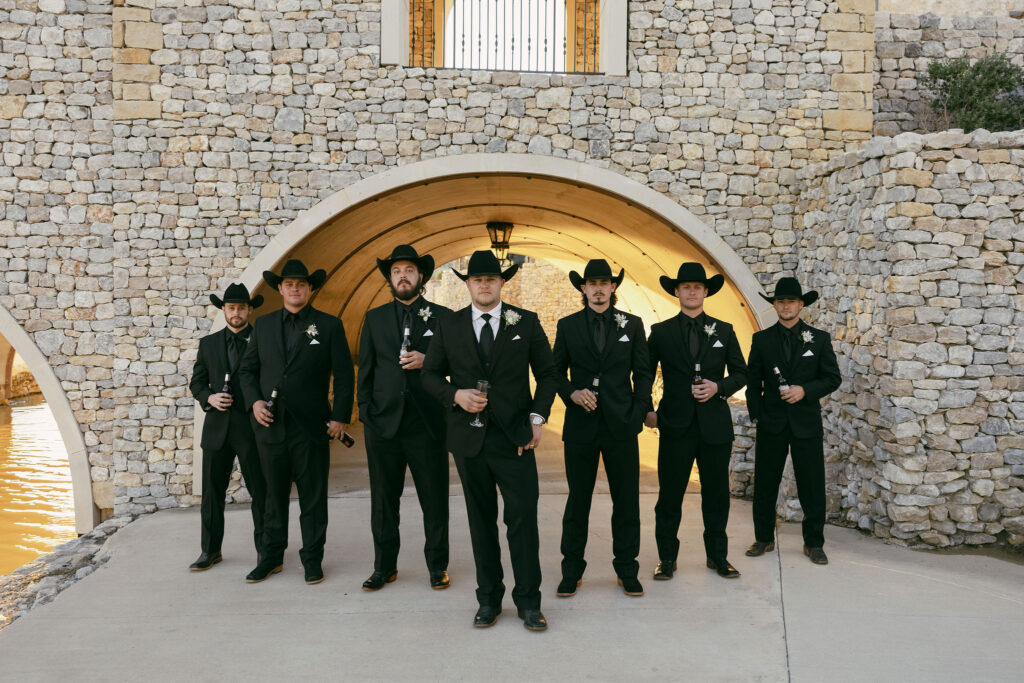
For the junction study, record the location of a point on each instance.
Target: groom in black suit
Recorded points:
(693, 418)
(605, 382)
(404, 424)
(295, 352)
(227, 431)
(493, 341)
(792, 367)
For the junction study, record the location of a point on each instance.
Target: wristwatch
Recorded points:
(537, 420)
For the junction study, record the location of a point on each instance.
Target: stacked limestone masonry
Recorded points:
(151, 148)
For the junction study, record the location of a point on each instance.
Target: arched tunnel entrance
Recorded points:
(564, 213)
(41, 444)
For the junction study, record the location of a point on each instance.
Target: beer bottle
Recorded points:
(272, 401)
(783, 384)
(406, 343)
(697, 379)
(226, 389)
(594, 386)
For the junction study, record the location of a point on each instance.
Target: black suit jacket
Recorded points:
(207, 379)
(813, 367)
(718, 352)
(383, 385)
(624, 369)
(302, 377)
(453, 363)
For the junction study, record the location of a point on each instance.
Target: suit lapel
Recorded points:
(705, 339)
(469, 334)
(611, 334)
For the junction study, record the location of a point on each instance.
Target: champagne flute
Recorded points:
(482, 387)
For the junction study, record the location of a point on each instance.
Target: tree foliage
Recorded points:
(986, 94)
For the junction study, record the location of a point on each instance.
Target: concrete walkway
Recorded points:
(878, 612)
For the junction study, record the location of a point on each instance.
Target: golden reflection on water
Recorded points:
(36, 500)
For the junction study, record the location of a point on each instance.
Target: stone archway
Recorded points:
(86, 512)
(565, 212)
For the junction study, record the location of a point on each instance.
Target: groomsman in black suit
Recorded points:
(294, 352)
(605, 382)
(492, 436)
(792, 367)
(227, 432)
(693, 418)
(404, 424)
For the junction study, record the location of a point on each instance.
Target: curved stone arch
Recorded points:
(600, 179)
(86, 513)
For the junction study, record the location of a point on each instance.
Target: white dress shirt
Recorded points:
(478, 320)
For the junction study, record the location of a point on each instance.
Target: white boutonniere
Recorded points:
(312, 332)
(807, 337)
(511, 317)
(621, 320)
(710, 329)
(425, 313)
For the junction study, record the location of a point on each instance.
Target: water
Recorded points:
(36, 500)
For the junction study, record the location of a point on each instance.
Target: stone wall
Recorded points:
(952, 8)
(64, 273)
(906, 43)
(916, 245)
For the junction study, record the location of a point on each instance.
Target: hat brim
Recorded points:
(255, 302)
(577, 280)
(424, 263)
(808, 297)
(506, 275)
(713, 284)
(316, 279)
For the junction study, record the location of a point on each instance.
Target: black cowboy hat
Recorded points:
(484, 262)
(597, 269)
(789, 288)
(295, 268)
(236, 294)
(692, 272)
(404, 252)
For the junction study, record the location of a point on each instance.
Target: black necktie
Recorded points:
(788, 345)
(486, 340)
(236, 346)
(291, 331)
(694, 339)
(599, 332)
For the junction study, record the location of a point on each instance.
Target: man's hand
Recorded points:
(793, 394)
(705, 390)
(535, 441)
(220, 401)
(411, 360)
(470, 401)
(335, 429)
(262, 415)
(651, 420)
(585, 399)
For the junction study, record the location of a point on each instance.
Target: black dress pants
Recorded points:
(427, 460)
(809, 470)
(622, 466)
(676, 455)
(307, 462)
(217, 466)
(498, 465)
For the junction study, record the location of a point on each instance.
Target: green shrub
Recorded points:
(987, 94)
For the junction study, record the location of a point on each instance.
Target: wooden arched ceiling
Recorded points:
(556, 220)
